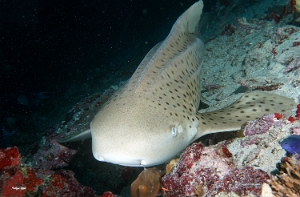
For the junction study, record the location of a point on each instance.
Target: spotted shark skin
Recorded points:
(155, 115)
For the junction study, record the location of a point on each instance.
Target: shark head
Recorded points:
(133, 134)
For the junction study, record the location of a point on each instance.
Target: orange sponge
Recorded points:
(148, 183)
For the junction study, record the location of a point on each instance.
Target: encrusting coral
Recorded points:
(287, 183)
(18, 179)
(209, 171)
(148, 183)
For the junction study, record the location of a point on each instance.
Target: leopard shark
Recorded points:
(155, 115)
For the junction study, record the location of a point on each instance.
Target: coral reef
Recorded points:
(23, 181)
(210, 171)
(287, 183)
(9, 158)
(63, 182)
(147, 184)
(261, 125)
(52, 155)
(261, 145)
(20, 180)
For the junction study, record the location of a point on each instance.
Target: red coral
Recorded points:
(32, 182)
(14, 186)
(107, 194)
(190, 156)
(9, 157)
(291, 119)
(297, 116)
(225, 151)
(184, 180)
(209, 171)
(58, 181)
(278, 116)
(18, 181)
(260, 125)
(19, 184)
(241, 181)
(63, 183)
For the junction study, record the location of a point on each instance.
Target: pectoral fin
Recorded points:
(77, 137)
(250, 106)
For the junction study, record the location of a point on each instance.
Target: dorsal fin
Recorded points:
(178, 41)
